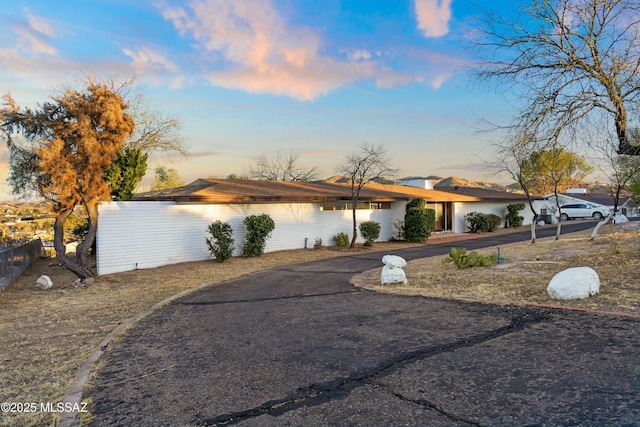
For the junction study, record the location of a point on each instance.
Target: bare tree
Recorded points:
(568, 61)
(282, 166)
(154, 131)
(619, 168)
(513, 157)
(362, 167)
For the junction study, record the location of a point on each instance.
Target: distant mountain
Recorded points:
(338, 179)
(438, 182)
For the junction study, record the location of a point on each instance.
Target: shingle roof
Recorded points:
(487, 194)
(256, 191)
(238, 191)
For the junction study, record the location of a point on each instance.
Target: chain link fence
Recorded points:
(15, 260)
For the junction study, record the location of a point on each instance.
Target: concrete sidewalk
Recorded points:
(300, 346)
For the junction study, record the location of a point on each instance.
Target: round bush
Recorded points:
(370, 231)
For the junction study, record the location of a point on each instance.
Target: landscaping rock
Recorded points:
(393, 261)
(392, 271)
(43, 282)
(620, 218)
(573, 283)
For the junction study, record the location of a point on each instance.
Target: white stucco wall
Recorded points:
(135, 235)
(498, 208)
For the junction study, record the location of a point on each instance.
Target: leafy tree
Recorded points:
(554, 170)
(166, 179)
(282, 166)
(126, 172)
(362, 167)
(70, 143)
(569, 62)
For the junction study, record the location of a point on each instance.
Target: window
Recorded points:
(341, 206)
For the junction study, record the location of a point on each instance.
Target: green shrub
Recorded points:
(341, 239)
(370, 231)
(259, 228)
(460, 258)
(221, 242)
(419, 222)
(478, 221)
(514, 219)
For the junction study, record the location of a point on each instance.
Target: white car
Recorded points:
(583, 210)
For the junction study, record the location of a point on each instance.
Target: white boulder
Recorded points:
(393, 261)
(573, 283)
(43, 282)
(392, 271)
(620, 218)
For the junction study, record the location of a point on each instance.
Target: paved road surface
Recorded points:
(298, 345)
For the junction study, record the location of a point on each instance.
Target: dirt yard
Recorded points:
(46, 335)
(523, 278)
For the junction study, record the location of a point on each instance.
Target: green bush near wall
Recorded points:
(259, 228)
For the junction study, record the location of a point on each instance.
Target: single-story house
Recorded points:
(169, 226)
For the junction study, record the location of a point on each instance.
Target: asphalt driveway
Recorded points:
(301, 346)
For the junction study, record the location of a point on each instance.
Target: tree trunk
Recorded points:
(559, 210)
(81, 270)
(82, 251)
(533, 227)
(600, 224)
(355, 229)
(624, 147)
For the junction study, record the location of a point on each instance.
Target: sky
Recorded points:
(253, 77)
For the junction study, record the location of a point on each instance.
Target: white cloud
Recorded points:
(33, 37)
(433, 16)
(263, 54)
(145, 57)
(40, 25)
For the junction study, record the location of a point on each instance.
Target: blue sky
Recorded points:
(248, 78)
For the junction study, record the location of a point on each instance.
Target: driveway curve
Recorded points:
(299, 345)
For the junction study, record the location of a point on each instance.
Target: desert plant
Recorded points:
(370, 231)
(341, 239)
(419, 222)
(513, 218)
(259, 228)
(318, 243)
(221, 242)
(463, 260)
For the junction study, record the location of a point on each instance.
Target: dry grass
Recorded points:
(615, 257)
(46, 335)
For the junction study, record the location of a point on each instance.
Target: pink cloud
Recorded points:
(263, 54)
(433, 16)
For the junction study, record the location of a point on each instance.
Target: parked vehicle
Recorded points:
(583, 210)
